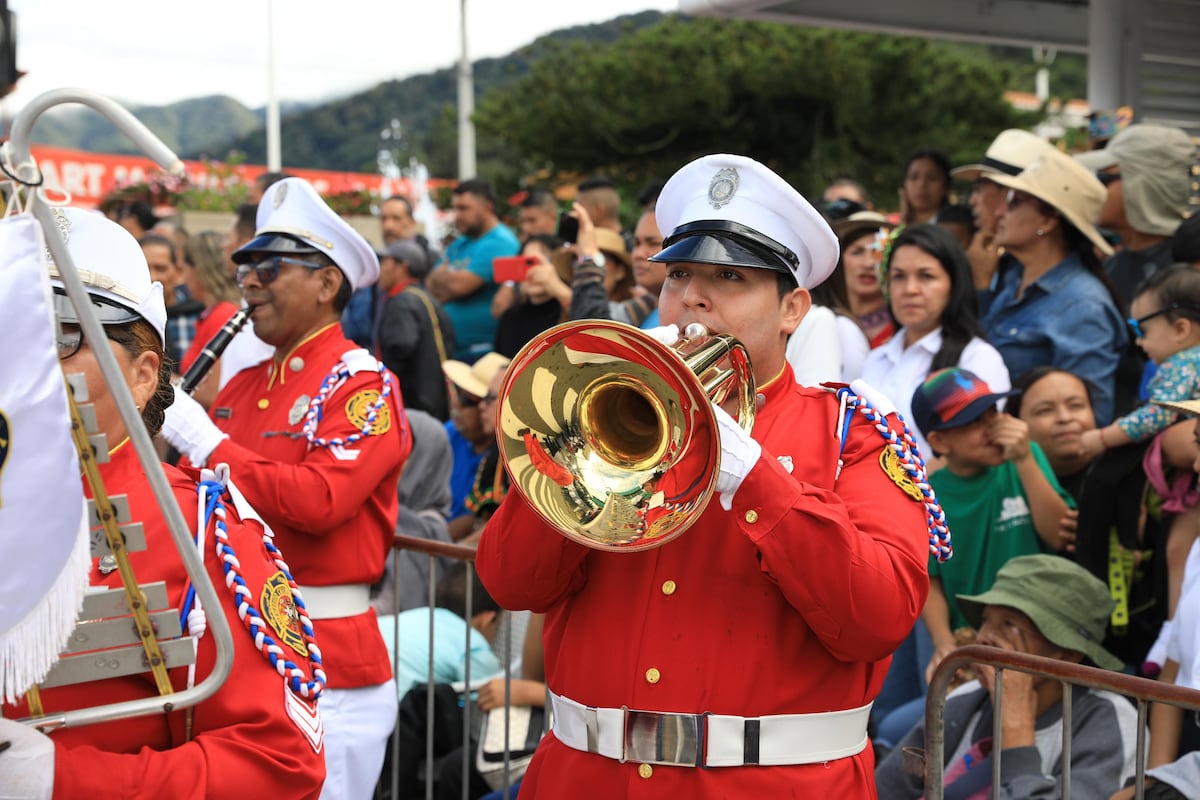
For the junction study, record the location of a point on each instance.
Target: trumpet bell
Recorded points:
(610, 435)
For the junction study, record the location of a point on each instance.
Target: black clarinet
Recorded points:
(212, 351)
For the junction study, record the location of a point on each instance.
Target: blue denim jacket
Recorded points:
(1065, 318)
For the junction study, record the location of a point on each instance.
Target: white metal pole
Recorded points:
(466, 107)
(274, 155)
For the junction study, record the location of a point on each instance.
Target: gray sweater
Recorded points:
(1104, 737)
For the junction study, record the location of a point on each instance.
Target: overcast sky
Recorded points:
(157, 51)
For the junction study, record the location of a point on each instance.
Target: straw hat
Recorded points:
(858, 224)
(474, 378)
(1009, 153)
(1064, 183)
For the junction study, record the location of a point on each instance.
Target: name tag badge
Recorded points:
(223, 413)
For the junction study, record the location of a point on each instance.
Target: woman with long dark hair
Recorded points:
(931, 295)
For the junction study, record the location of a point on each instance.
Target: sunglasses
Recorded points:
(1013, 198)
(69, 339)
(1108, 177)
(267, 270)
(1135, 325)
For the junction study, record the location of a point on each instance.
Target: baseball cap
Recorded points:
(731, 210)
(408, 252)
(951, 398)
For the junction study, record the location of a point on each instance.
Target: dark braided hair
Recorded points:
(137, 337)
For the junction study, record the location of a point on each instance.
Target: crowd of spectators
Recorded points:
(1035, 318)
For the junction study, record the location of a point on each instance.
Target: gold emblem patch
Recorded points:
(359, 406)
(279, 609)
(894, 469)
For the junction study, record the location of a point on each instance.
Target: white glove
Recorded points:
(881, 403)
(667, 334)
(189, 430)
(27, 765)
(739, 454)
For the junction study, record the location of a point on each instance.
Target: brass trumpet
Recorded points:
(610, 435)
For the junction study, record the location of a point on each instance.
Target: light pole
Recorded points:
(466, 107)
(274, 156)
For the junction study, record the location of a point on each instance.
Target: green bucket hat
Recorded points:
(1068, 604)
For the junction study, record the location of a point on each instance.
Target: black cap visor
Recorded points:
(278, 243)
(726, 243)
(109, 312)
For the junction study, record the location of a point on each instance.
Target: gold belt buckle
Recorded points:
(656, 737)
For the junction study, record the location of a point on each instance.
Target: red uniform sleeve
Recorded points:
(852, 561)
(526, 564)
(330, 484)
(244, 743)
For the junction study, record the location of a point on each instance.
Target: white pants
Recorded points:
(357, 723)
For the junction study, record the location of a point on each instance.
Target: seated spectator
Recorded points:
(1046, 606)
(491, 479)
(927, 282)
(1053, 302)
(1057, 407)
(998, 491)
(452, 623)
(468, 441)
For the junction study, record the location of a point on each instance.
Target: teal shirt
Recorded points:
(474, 325)
(449, 649)
(990, 522)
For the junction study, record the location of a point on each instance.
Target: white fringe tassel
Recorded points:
(32, 646)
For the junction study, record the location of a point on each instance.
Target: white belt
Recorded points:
(709, 740)
(335, 602)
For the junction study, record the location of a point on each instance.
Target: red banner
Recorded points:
(88, 177)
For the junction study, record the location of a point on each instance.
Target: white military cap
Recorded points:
(112, 266)
(732, 210)
(293, 219)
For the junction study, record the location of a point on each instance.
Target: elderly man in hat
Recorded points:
(740, 659)
(316, 437)
(413, 334)
(1044, 605)
(1147, 171)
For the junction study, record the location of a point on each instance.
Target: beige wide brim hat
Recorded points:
(1009, 153)
(1064, 183)
(474, 378)
(1184, 406)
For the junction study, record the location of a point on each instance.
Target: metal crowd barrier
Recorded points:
(434, 550)
(931, 761)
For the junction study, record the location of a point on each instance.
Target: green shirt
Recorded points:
(990, 522)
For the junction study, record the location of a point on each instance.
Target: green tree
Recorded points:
(812, 103)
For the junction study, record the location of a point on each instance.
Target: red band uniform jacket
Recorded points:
(333, 509)
(244, 743)
(790, 603)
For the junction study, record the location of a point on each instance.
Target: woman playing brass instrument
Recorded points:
(256, 736)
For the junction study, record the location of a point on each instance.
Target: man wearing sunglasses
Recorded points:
(1146, 170)
(315, 438)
